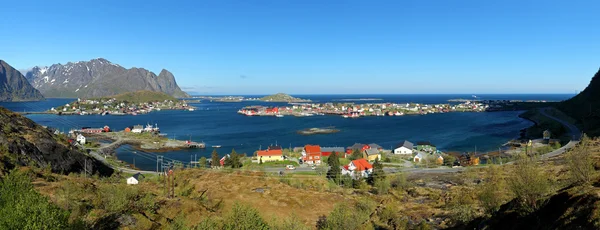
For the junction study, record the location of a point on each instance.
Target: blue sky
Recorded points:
(320, 47)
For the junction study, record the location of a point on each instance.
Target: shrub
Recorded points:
(528, 183)
(382, 186)
(21, 207)
(580, 162)
(492, 192)
(290, 223)
(244, 217)
(344, 217)
(399, 181)
(461, 205)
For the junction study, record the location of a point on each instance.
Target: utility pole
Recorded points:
(85, 167)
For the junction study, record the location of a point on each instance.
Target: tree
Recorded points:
(334, 168)
(215, 159)
(378, 173)
(356, 154)
(580, 162)
(235, 161)
(449, 160)
(202, 162)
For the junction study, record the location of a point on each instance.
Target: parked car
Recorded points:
(290, 167)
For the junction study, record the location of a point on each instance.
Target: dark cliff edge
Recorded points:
(585, 107)
(25, 143)
(14, 86)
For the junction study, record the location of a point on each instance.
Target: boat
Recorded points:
(279, 115)
(216, 146)
(191, 109)
(345, 116)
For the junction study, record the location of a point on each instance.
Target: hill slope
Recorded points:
(585, 107)
(99, 78)
(23, 142)
(14, 86)
(143, 96)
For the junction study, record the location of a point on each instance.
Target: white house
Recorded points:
(81, 139)
(358, 168)
(137, 129)
(405, 148)
(135, 179)
(418, 157)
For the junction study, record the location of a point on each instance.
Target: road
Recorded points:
(574, 132)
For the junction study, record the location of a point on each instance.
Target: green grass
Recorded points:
(142, 96)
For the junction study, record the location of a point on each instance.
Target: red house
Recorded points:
(312, 154)
(272, 110)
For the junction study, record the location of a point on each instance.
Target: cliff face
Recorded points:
(99, 78)
(585, 107)
(23, 142)
(14, 86)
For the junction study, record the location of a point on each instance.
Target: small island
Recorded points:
(312, 131)
(132, 103)
(282, 97)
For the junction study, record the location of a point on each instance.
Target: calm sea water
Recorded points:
(218, 124)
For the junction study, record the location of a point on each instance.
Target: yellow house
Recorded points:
(270, 155)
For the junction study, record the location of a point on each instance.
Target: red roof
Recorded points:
(274, 152)
(312, 149)
(361, 164)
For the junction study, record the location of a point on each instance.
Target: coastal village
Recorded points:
(351, 110)
(115, 107)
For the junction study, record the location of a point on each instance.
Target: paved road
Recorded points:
(573, 131)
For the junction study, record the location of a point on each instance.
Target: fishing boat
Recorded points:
(191, 109)
(279, 115)
(216, 146)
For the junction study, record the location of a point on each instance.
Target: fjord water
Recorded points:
(217, 123)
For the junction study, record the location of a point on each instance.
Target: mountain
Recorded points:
(14, 86)
(23, 142)
(585, 107)
(98, 78)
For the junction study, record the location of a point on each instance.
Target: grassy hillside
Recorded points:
(282, 97)
(585, 107)
(143, 96)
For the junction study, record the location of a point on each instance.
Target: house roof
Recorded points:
(362, 164)
(372, 151)
(138, 127)
(274, 147)
(356, 146)
(420, 155)
(406, 144)
(312, 148)
(137, 176)
(275, 152)
(425, 143)
(332, 149)
(375, 146)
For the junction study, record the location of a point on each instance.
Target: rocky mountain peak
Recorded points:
(98, 78)
(14, 86)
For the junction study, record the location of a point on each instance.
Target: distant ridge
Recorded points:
(99, 78)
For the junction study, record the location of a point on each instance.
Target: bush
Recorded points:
(528, 183)
(580, 162)
(461, 205)
(382, 186)
(492, 191)
(244, 217)
(399, 181)
(290, 223)
(344, 217)
(21, 207)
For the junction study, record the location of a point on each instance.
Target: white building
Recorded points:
(405, 148)
(137, 129)
(135, 179)
(81, 139)
(358, 168)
